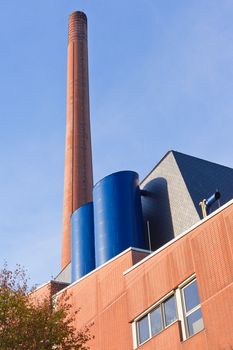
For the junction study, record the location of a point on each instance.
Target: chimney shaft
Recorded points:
(78, 182)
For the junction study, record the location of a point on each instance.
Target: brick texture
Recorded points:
(112, 300)
(78, 178)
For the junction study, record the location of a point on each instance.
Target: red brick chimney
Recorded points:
(78, 182)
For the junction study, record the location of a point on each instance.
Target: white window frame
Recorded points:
(135, 337)
(181, 307)
(182, 315)
(135, 323)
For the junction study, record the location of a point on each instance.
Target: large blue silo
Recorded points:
(118, 222)
(83, 249)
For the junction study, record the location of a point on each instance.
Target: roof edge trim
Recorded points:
(101, 266)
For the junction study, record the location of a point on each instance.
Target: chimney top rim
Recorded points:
(78, 14)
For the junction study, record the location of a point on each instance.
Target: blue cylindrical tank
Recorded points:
(118, 221)
(83, 248)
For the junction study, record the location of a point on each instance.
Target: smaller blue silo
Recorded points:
(118, 222)
(83, 249)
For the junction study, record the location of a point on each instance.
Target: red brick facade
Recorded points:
(115, 294)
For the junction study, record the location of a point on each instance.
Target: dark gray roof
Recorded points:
(202, 178)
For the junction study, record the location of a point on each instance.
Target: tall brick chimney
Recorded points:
(78, 182)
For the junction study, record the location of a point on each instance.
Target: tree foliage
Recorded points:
(29, 325)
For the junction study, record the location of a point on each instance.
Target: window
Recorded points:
(170, 311)
(182, 304)
(192, 308)
(156, 320)
(143, 329)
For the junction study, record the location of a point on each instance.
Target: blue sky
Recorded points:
(161, 78)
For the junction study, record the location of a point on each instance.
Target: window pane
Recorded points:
(191, 296)
(195, 322)
(156, 321)
(143, 328)
(170, 310)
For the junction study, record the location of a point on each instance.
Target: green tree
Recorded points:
(29, 325)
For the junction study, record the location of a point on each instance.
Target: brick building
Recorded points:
(178, 297)
(140, 260)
